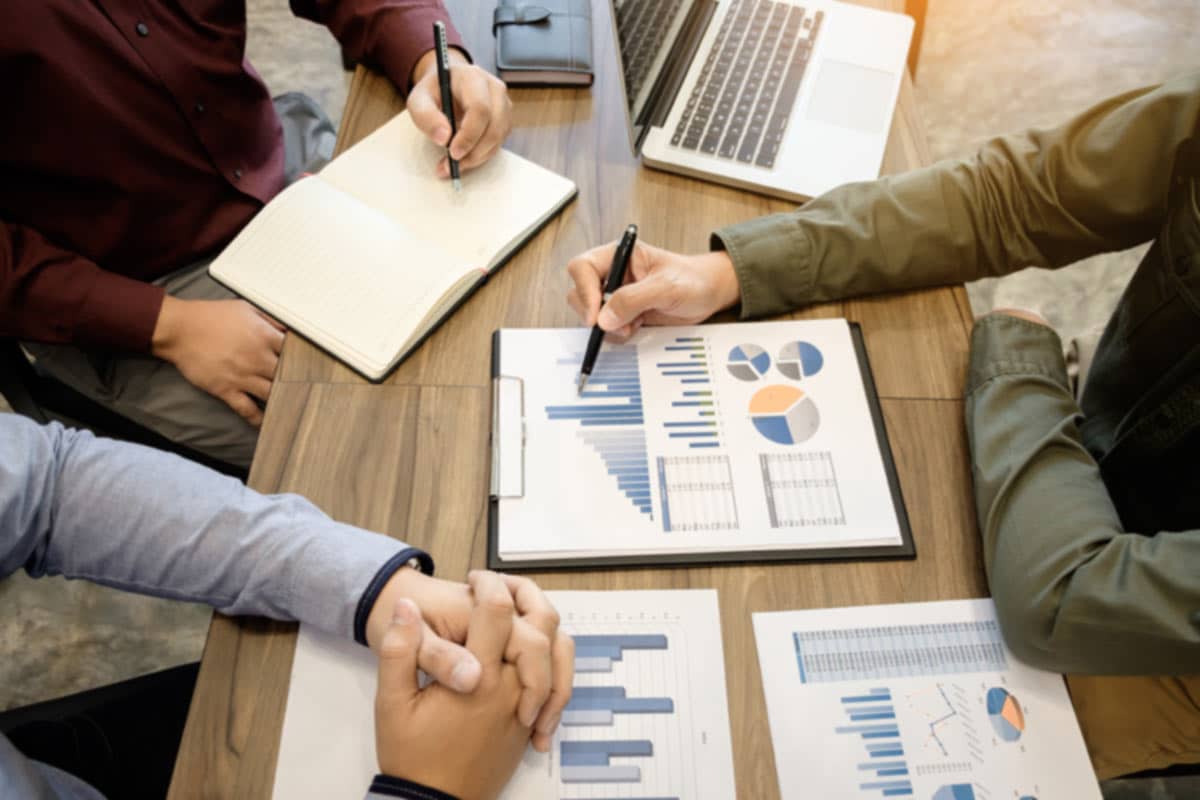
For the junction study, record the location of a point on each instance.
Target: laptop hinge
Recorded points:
(670, 79)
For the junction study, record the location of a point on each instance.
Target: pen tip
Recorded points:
(583, 379)
(457, 185)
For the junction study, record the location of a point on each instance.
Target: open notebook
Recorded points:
(369, 256)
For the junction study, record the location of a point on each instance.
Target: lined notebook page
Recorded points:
(393, 170)
(339, 272)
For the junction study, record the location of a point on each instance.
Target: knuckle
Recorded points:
(498, 603)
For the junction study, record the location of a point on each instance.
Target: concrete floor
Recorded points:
(988, 66)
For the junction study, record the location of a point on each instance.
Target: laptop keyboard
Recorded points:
(642, 26)
(749, 83)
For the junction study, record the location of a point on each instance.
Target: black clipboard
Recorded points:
(509, 389)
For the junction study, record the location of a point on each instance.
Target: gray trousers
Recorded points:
(152, 392)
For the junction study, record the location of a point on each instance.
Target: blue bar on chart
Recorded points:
(686, 361)
(899, 651)
(591, 761)
(870, 712)
(612, 421)
(598, 705)
(596, 653)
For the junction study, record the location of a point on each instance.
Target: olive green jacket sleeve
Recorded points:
(1074, 591)
(1043, 198)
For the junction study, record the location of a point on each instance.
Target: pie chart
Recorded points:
(1005, 713)
(784, 414)
(748, 362)
(955, 791)
(800, 360)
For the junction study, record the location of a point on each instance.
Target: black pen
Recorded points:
(616, 276)
(442, 56)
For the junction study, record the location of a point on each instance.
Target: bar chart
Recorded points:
(873, 719)
(894, 651)
(684, 365)
(592, 706)
(647, 719)
(611, 421)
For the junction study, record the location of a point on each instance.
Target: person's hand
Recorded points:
(661, 288)
(482, 110)
(467, 745)
(228, 348)
(1020, 313)
(543, 656)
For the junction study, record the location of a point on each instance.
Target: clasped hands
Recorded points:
(502, 675)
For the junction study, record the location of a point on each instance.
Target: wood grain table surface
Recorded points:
(409, 457)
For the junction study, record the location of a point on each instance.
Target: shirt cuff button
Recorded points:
(142, 29)
(237, 174)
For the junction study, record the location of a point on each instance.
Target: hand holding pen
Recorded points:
(480, 106)
(616, 277)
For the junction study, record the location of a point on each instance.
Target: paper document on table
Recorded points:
(920, 700)
(647, 717)
(745, 439)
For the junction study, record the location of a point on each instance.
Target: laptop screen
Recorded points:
(646, 32)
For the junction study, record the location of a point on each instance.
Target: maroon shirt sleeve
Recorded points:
(392, 34)
(48, 294)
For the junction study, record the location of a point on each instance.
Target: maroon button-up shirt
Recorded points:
(136, 138)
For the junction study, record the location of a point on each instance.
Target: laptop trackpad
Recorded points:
(851, 96)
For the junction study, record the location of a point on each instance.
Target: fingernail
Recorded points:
(607, 319)
(405, 612)
(550, 725)
(465, 674)
(456, 152)
(442, 135)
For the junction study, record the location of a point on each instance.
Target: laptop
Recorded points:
(785, 97)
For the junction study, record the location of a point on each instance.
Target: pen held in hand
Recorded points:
(616, 276)
(442, 57)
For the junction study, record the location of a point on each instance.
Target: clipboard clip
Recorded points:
(508, 437)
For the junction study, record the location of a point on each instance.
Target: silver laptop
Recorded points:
(784, 97)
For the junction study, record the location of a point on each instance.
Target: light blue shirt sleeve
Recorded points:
(149, 522)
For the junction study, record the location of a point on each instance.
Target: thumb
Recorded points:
(427, 114)
(632, 301)
(398, 654)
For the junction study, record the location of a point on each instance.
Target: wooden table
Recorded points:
(410, 457)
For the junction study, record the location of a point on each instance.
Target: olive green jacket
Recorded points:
(1089, 511)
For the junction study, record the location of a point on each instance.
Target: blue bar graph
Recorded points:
(611, 421)
(881, 740)
(594, 654)
(690, 374)
(590, 762)
(612, 698)
(603, 761)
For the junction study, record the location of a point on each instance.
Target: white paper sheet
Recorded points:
(658, 687)
(691, 439)
(919, 700)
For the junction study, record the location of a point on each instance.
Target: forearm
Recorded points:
(391, 34)
(1043, 198)
(1075, 592)
(49, 294)
(149, 522)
